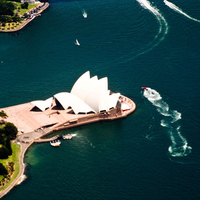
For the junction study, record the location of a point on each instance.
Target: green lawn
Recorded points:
(13, 158)
(22, 11)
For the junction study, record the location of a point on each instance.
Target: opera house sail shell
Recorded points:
(89, 101)
(88, 95)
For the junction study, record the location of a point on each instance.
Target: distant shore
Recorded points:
(25, 22)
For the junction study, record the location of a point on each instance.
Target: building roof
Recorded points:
(69, 100)
(87, 95)
(43, 104)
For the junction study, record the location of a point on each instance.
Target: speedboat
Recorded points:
(55, 143)
(67, 137)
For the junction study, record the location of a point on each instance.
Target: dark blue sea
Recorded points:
(154, 153)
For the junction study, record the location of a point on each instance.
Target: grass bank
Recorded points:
(22, 11)
(13, 158)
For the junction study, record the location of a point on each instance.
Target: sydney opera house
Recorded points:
(89, 101)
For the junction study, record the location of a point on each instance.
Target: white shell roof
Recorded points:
(69, 100)
(87, 95)
(42, 105)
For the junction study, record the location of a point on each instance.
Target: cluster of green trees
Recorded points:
(3, 170)
(8, 132)
(24, 5)
(7, 13)
(6, 8)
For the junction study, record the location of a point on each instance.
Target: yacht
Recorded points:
(67, 137)
(55, 143)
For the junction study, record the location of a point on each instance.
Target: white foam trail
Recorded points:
(179, 147)
(164, 123)
(178, 10)
(163, 26)
(74, 135)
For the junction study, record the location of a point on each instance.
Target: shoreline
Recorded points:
(44, 7)
(27, 138)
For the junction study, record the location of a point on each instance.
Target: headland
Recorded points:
(35, 120)
(40, 8)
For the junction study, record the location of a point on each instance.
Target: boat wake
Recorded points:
(156, 40)
(163, 26)
(178, 10)
(179, 146)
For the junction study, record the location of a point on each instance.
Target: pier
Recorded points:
(47, 139)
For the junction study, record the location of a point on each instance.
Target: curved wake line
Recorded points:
(163, 25)
(179, 146)
(163, 30)
(178, 10)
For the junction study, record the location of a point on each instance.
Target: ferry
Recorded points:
(67, 137)
(55, 143)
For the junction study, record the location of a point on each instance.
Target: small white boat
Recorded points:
(84, 14)
(67, 137)
(77, 43)
(55, 143)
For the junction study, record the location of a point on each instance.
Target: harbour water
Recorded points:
(151, 154)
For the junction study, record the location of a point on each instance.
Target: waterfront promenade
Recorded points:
(34, 125)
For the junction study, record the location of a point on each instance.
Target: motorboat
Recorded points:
(67, 137)
(55, 143)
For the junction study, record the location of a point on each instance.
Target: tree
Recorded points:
(8, 146)
(10, 130)
(24, 5)
(16, 18)
(3, 114)
(3, 152)
(3, 170)
(25, 15)
(6, 8)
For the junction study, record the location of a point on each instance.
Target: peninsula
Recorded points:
(89, 101)
(20, 14)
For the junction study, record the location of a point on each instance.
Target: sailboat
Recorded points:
(84, 14)
(77, 43)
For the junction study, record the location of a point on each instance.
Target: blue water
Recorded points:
(154, 152)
